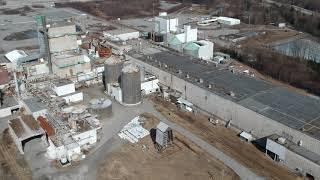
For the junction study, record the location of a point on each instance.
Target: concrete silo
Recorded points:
(112, 70)
(131, 85)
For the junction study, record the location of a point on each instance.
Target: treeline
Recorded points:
(274, 14)
(313, 5)
(302, 22)
(255, 12)
(294, 71)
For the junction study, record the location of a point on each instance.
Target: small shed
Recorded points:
(164, 135)
(185, 105)
(246, 136)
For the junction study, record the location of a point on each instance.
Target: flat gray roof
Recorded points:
(298, 111)
(297, 149)
(34, 104)
(9, 101)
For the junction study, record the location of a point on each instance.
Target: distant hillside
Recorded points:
(313, 5)
(262, 12)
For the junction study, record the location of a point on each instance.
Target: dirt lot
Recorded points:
(12, 165)
(183, 160)
(110, 9)
(270, 36)
(226, 140)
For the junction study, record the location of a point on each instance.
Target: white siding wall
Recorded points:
(65, 89)
(39, 113)
(191, 35)
(294, 161)
(166, 25)
(206, 52)
(77, 97)
(150, 86)
(127, 36)
(5, 112)
(88, 137)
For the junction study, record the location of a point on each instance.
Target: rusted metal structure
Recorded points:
(46, 126)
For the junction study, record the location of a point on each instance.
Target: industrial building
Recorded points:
(15, 55)
(246, 103)
(36, 69)
(291, 154)
(22, 129)
(62, 37)
(184, 35)
(55, 111)
(68, 130)
(221, 20)
(200, 49)
(165, 24)
(149, 84)
(229, 21)
(121, 34)
(66, 89)
(185, 40)
(70, 64)
(35, 107)
(9, 105)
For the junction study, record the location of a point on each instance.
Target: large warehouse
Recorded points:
(248, 104)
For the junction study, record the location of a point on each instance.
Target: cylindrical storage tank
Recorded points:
(131, 85)
(102, 107)
(112, 70)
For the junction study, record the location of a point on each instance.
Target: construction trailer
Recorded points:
(185, 105)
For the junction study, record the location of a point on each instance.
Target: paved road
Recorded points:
(241, 170)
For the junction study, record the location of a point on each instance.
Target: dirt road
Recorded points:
(225, 140)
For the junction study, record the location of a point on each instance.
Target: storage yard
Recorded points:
(114, 90)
